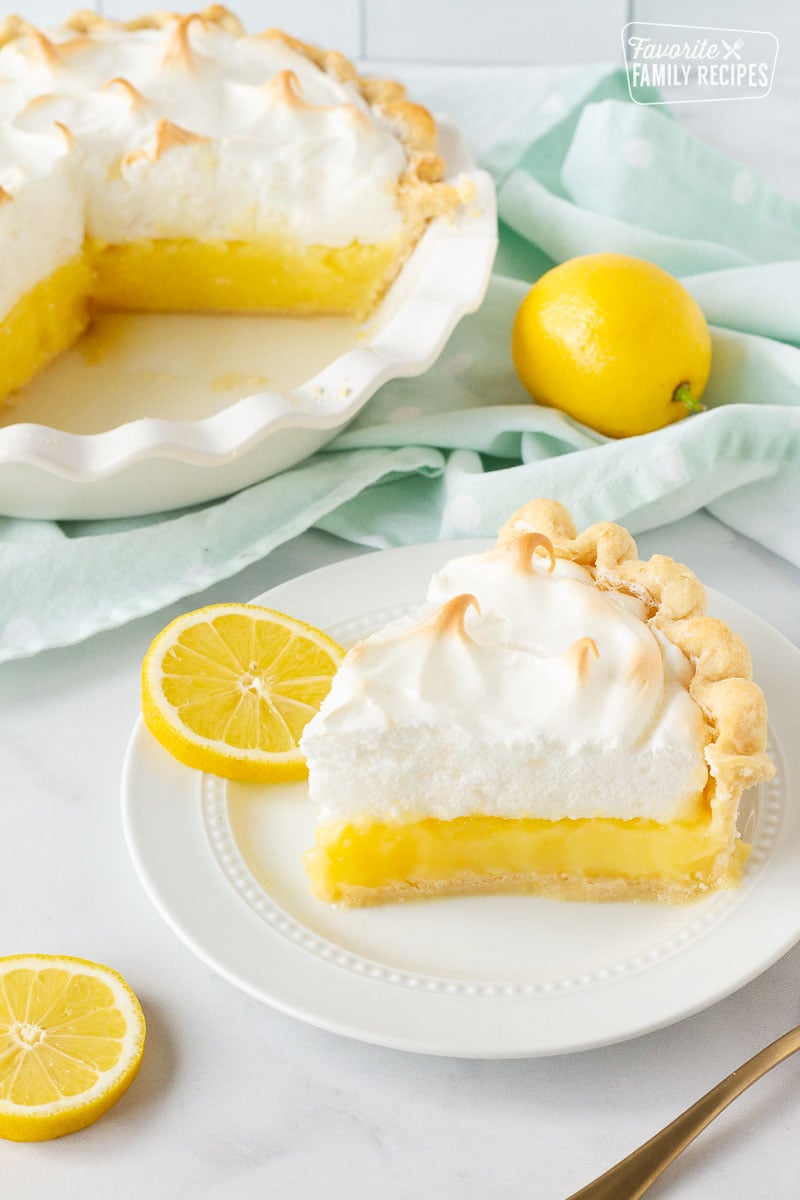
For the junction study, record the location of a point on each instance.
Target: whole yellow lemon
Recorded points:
(613, 341)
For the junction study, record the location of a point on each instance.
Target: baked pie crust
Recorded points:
(376, 858)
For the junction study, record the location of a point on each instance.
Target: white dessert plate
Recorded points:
(151, 412)
(481, 976)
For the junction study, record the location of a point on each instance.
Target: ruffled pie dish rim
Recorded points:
(443, 279)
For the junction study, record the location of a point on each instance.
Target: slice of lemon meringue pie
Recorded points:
(174, 162)
(558, 717)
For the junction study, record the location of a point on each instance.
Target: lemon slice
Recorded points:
(230, 688)
(71, 1040)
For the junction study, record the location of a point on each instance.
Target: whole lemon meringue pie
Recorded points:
(176, 163)
(558, 717)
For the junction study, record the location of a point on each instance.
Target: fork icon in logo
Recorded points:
(733, 50)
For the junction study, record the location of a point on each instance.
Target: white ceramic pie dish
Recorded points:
(191, 445)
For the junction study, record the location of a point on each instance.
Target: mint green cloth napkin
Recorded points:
(453, 452)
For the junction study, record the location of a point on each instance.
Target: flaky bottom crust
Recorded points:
(551, 887)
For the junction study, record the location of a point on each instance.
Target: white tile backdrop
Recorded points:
(477, 31)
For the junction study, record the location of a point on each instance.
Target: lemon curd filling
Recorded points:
(45, 321)
(363, 863)
(183, 275)
(276, 275)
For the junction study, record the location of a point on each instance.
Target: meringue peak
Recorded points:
(41, 51)
(521, 551)
(579, 652)
(69, 136)
(179, 52)
(451, 617)
(285, 89)
(133, 94)
(167, 137)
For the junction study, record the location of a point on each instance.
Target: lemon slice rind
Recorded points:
(209, 754)
(68, 1114)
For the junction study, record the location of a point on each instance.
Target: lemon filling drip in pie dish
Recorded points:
(188, 166)
(558, 717)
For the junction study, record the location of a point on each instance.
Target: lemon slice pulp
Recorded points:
(229, 688)
(71, 1041)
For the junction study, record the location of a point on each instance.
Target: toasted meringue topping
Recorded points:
(86, 20)
(307, 156)
(522, 550)
(167, 136)
(285, 88)
(37, 102)
(13, 27)
(545, 672)
(218, 14)
(579, 653)
(450, 618)
(179, 51)
(69, 136)
(644, 665)
(75, 45)
(5, 197)
(134, 95)
(41, 51)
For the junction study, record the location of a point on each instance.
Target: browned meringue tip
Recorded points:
(86, 20)
(523, 548)
(579, 652)
(13, 27)
(645, 666)
(69, 136)
(38, 102)
(167, 136)
(450, 618)
(179, 51)
(136, 98)
(285, 88)
(74, 45)
(218, 14)
(41, 51)
(5, 197)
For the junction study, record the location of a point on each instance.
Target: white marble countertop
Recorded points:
(235, 1100)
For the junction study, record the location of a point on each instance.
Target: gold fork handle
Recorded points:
(631, 1178)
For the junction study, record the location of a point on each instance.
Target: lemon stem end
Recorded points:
(683, 395)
